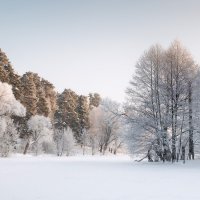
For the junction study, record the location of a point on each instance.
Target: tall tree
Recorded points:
(43, 107)
(50, 96)
(157, 99)
(83, 116)
(29, 93)
(15, 80)
(67, 110)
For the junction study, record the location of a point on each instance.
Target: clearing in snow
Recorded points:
(96, 178)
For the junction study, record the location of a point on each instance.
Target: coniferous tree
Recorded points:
(3, 75)
(50, 97)
(29, 93)
(42, 103)
(67, 104)
(7, 74)
(14, 80)
(3, 59)
(94, 100)
(29, 100)
(83, 116)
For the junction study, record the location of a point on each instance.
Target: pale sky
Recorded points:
(90, 45)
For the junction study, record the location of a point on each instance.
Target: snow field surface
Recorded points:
(96, 178)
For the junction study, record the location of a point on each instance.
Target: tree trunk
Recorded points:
(191, 141)
(26, 147)
(183, 154)
(172, 117)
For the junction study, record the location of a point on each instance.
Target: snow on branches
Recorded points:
(8, 103)
(8, 106)
(40, 128)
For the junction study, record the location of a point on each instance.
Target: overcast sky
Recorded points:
(90, 45)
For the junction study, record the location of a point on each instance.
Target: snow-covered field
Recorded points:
(96, 178)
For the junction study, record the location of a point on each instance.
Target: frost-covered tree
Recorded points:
(159, 101)
(8, 136)
(8, 103)
(65, 142)
(104, 125)
(40, 128)
(9, 107)
(69, 141)
(109, 124)
(94, 130)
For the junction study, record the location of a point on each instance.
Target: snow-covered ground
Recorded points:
(96, 178)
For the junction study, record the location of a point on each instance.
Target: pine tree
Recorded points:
(3, 62)
(29, 99)
(50, 96)
(14, 80)
(67, 105)
(83, 116)
(3, 59)
(3, 75)
(42, 103)
(94, 100)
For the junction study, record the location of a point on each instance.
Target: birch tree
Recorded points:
(159, 96)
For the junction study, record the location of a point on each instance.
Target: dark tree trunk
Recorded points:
(183, 154)
(149, 156)
(26, 147)
(191, 141)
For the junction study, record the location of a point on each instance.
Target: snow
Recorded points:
(96, 178)
(8, 102)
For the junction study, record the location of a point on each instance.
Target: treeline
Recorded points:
(63, 116)
(162, 108)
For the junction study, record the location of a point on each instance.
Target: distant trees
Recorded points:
(105, 126)
(35, 118)
(160, 101)
(161, 114)
(68, 112)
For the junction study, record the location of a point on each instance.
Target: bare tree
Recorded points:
(105, 124)
(157, 100)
